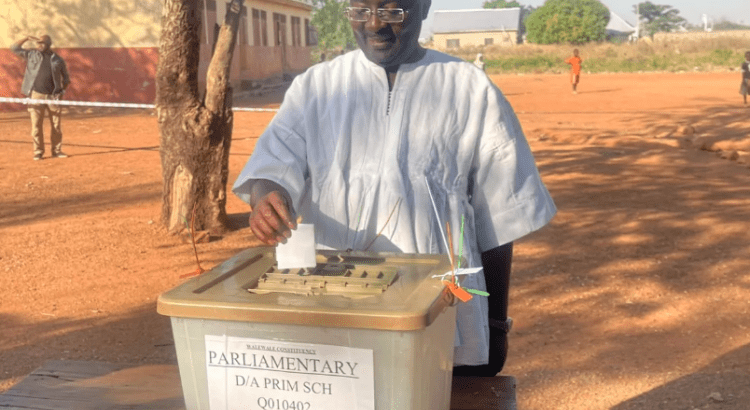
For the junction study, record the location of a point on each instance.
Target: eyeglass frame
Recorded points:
(404, 14)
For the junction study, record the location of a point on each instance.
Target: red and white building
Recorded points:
(111, 47)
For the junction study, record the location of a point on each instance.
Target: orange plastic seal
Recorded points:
(460, 293)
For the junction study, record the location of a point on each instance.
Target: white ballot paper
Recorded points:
(299, 250)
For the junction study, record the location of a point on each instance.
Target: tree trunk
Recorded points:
(195, 135)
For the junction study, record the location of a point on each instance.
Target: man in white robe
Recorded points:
(363, 134)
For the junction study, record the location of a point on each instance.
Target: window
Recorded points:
(279, 29)
(260, 33)
(311, 33)
(243, 27)
(256, 27)
(208, 20)
(453, 43)
(489, 41)
(307, 32)
(296, 32)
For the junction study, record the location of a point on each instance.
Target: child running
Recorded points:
(745, 86)
(575, 69)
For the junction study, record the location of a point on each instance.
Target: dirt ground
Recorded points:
(635, 297)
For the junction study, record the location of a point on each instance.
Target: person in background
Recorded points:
(384, 130)
(745, 86)
(479, 61)
(575, 69)
(46, 78)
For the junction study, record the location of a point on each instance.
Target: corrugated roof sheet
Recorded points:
(457, 21)
(618, 24)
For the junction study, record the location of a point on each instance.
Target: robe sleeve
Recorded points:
(18, 50)
(280, 154)
(508, 196)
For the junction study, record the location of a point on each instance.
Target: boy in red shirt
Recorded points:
(745, 86)
(575, 69)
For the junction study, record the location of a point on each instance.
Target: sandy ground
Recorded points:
(635, 297)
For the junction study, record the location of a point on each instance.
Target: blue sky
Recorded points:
(690, 10)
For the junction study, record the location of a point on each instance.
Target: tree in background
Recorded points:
(658, 17)
(502, 4)
(568, 21)
(195, 133)
(334, 31)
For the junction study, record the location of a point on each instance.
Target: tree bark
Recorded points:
(195, 135)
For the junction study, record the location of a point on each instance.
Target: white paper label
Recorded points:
(245, 373)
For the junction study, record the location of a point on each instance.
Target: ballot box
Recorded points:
(359, 331)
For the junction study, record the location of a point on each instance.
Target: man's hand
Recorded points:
(25, 39)
(271, 220)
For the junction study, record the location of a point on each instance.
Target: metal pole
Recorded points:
(637, 21)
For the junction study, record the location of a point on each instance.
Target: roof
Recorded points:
(457, 21)
(618, 24)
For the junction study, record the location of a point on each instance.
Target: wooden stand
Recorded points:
(76, 385)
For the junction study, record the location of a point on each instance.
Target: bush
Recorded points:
(568, 21)
(722, 56)
(535, 64)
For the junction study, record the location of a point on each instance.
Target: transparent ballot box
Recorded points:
(359, 331)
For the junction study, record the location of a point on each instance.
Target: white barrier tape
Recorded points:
(30, 101)
(255, 109)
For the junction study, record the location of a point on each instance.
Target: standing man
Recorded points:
(479, 61)
(46, 78)
(372, 133)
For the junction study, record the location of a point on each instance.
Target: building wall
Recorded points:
(443, 41)
(111, 46)
(97, 74)
(82, 23)
(258, 62)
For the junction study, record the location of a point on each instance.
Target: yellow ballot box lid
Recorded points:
(346, 289)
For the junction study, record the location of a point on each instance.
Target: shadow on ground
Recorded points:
(714, 387)
(645, 270)
(24, 211)
(28, 344)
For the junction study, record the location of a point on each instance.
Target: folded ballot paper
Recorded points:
(299, 250)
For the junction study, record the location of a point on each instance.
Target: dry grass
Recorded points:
(710, 54)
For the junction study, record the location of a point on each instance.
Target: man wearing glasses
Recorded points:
(368, 141)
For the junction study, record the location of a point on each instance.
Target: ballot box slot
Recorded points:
(228, 274)
(346, 279)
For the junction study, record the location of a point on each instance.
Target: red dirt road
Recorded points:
(635, 297)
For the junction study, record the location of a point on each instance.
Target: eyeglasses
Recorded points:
(385, 15)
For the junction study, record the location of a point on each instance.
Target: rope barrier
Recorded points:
(28, 101)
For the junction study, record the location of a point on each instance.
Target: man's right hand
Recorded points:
(271, 219)
(23, 41)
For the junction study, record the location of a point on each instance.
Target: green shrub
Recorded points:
(722, 56)
(568, 21)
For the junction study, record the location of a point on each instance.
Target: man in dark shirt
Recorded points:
(46, 78)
